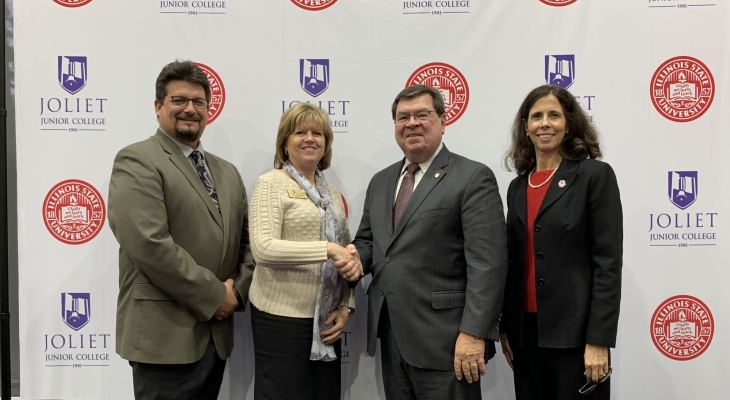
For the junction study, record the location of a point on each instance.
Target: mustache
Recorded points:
(190, 117)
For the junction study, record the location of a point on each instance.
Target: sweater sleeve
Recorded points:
(266, 217)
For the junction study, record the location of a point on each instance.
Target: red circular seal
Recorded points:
(217, 92)
(558, 3)
(344, 205)
(682, 327)
(72, 3)
(449, 81)
(313, 5)
(682, 89)
(74, 211)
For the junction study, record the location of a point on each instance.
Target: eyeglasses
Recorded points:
(420, 116)
(182, 101)
(591, 386)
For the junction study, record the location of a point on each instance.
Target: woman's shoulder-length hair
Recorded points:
(581, 139)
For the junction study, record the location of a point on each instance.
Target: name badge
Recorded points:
(297, 193)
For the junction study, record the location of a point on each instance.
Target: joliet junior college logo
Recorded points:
(682, 327)
(314, 75)
(560, 70)
(76, 309)
(72, 73)
(558, 3)
(217, 92)
(314, 5)
(447, 80)
(74, 211)
(72, 3)
(682, 188)
(682, 89)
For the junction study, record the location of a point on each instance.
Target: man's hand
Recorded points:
(353, 251)
(230, 301)
(506, 349)
(596, 361)
(469, 357)
(346, 260)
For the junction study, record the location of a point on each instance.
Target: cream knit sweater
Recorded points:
(287, 246)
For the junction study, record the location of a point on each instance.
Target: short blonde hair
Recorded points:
(296, 116)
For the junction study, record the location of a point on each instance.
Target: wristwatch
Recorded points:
(350, 309)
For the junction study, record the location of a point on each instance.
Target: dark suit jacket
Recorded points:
(175, 249)
(578, 249)
(442, 269)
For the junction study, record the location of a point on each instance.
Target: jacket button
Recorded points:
(541, 282)
(387, 259)
(382, 292)
(537, 228)
(539, 256)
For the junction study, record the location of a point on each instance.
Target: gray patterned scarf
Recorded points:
(330, 291)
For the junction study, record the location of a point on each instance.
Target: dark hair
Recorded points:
(580, 141)
(417, 90)
(296, 116)
(180, 71)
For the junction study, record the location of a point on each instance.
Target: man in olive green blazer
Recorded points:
(184, 261)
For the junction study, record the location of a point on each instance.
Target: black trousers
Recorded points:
(402, 381)
(550, 374)
(282, 346)
(200, 380)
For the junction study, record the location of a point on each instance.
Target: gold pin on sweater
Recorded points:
(437, 175)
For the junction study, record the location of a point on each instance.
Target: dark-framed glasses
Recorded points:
(182, 101)
(420, 116)
(591, 386)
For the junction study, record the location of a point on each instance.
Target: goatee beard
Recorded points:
(189, 135)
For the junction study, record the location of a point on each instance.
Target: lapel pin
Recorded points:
(561, 183)
(437, 175)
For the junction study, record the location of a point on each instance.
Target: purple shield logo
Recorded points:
(76, 309)
(314, 75)
(560, 70)
(682, 188)
(72, 73)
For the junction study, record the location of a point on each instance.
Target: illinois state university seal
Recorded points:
(558, 3)
(74, 211)
(682, 327)
(217, 92)
(72, 3)
(682, 89)
(313, 5)
(447, 80)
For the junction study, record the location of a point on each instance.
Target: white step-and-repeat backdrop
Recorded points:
(653, 75)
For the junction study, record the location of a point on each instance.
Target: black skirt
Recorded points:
(282, 346)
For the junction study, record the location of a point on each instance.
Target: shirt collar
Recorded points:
(424, 165)
(187, 150)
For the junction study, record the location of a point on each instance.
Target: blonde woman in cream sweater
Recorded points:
(300, 301)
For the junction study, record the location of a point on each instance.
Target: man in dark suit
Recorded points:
(433, 237)
(179, 214)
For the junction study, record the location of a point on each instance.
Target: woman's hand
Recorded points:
(596, 361)
(346, 261)
(340, 317)
(506, 349)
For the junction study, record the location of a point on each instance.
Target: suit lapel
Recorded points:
(521, 199)
(425, 186)
(564, 177)
(222, 190)
(390, 184)
(181, 162)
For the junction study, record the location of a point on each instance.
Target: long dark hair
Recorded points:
(581, 138)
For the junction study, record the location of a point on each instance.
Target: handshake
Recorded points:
(346, 260)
